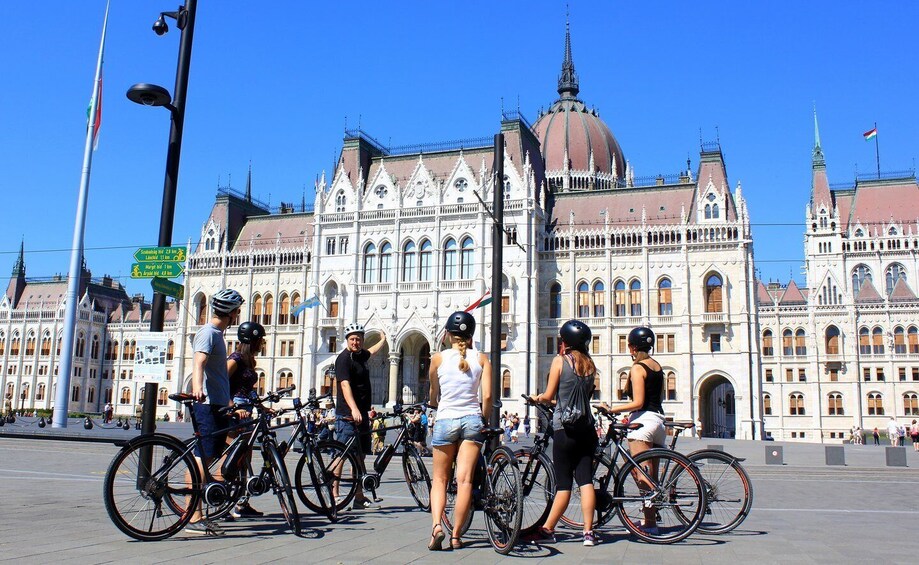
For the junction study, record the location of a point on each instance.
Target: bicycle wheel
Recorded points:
(417, 478)
(282, 488)
(604, 473)
(676, 503)
(236, 488)
(446, 519)
(537, 478)
(141, 510)
(342, 469)
(728, 490)
(317, 495)
(503, 500)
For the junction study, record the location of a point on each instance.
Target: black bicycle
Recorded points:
(496, 492)
(154, 484)
(537, 474)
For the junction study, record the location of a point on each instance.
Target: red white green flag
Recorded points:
(871, 134)
(482, 302)
(97, 123)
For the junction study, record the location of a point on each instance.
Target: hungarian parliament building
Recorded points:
(400, 237)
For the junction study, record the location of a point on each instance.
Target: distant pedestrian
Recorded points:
(526, 425)
(877, 437)
(698, 428)
(902, 435)
(893, 431)
(859, 435)
(8, 405)
(914, 435)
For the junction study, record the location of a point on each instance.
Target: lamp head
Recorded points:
(159, 26)
(149, 95)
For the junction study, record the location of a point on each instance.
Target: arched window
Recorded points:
(370, 263)
(665, 298)
(40, 392)
(340, 201)
(114, 355)
(93, 349)
(910, 404)
(623, 385)
(787, 343)
(912, 339)
(2, 344)
(708, 211)
(596, 393)
(200, 309)
(269, 310)
(449, 273)
(619, 298)
(832, 340)
(386, 262)
(466, 258)
(284, 310)
(583, 300)
(877, 341)
(895, 272)
(834, 404)
(132, 350)
(285, 379)
(768, 346)
(425, 261)
(715, 213)
(864, 341)
(125, 396)
(796, 404)
(409, 261)
(860, 274)
(875, 404)
(260, 386)
(899, 340)
(767, 405)
(555, 300)
(162, 396)
(635, 298)
(256, 309)
(713, 294)
(30, 345)
(170, 350)
(507, 188)
(599, 300)
(671, 386)
(294, 302)
(506, 384)
(80, 349)
(800, 343)
(75, 394)
(45, 345)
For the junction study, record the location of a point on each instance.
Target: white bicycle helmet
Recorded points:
(354, 329)
(225, 301)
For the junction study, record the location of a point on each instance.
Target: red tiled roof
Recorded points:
(867, 293)
(262, 231)
(662, 205)
(902, 291)
(792, 295)
(570, 125)
(820, 191)
(712, 168)
(48, 293)
(879, 202)
(844, 201)
(762, 295)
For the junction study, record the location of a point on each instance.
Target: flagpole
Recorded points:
(62, 397)
(877, 151)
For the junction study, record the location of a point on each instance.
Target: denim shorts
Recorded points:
(345, 430)
(209, 421)
(448, 431)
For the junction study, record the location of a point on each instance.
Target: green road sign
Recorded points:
(160, 254)
(162, 269)
(168, 288)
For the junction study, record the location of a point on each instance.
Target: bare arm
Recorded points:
(378, 345)
(637, 380)
(487, 401)
(555, 373)
(197, 379)
(349, 398)
(434, 392)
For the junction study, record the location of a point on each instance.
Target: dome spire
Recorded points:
(568, 81)
(818, 159)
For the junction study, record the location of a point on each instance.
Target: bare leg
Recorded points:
(444, 455)
(588, 505)
(465, 469)
(650, 467)
(559, 505)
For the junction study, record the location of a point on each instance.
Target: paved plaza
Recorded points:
(804, 512)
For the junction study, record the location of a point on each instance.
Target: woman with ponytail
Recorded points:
(571, 378)
(457, 376)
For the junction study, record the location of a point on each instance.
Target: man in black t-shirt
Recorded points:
(354, 396)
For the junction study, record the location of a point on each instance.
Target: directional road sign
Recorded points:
(167, 287)
(160, 254)
(162, 269)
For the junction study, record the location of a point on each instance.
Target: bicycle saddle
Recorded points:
(183, 397)
(492, 432)
(682, 425)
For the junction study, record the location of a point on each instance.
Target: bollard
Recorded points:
(87, 423)
(835, 455)
(896, 456)
(774, 455)
(41, 422)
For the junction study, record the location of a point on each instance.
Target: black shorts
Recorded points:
(345, 430)
(572, 456)
(209, 421)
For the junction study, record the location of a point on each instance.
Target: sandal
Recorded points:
(456, 543)
(437, 539)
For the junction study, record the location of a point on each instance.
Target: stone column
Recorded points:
(393, 379)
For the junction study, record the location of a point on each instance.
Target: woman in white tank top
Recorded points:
(457, 376)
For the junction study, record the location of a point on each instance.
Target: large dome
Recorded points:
(570, 129)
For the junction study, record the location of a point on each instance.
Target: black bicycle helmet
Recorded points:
(461, 324)
(575, 334)
(250, 332)
(641, 338)
(225, 301)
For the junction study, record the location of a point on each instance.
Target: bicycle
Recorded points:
(346, 470)
(537, 477)
(496, 491)
(154, 484)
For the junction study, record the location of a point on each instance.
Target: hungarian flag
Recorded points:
(97, 123)
(871, 134)
(482, 302)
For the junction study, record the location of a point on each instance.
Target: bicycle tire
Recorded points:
(176, 474)
(446, 519)
(236, 487)
(332, 453)
(678, 501)
(604, 472)
(503, 500)
(417, 477)
(728, 490)
(281, 483)
(318, 495)
(537, 479)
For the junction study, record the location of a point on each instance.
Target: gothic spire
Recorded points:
(249, 184)
(568, 80)
(818, 160)
(20, 267)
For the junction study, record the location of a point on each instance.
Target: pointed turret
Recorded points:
(820, 187)
(18, 277)
(568, 80)
(249, 184)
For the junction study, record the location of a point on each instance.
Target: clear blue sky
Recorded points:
(273, 82)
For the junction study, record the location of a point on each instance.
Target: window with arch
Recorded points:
(623, 381)
(595, 395)
(796, 404)
(449, 273)
(260, 384)
(284, 310)
(899, 340)
(81, 345)
(864, 341)
(787, 343)
(555, 300)
(768, 347)
(767, 405)
(386, 262)
(132, 350)
(670, 386)
(599, 300)
(268, 310)
(713, 294)
(75, 394)
(112, 350)
(285, 379)
(467, 256)
(877, 341)
(60, 337)
(912, 339)
(125, 397)
(257, 309)
(294, 302)
(583, 300)
(30, 344)
(875, 404)
(832, 340)
(834, 404)
(94, 348)
(635, 298)
(340, 201)
(40, 391)
(800, 343)
(200, 309)
(506, 384)
(409, 261)
(665, 297)
(162, 397)
(860, 274)
(2, 344)
(619, 298)
(895, 272)
(370, 263)
(170, 350)
(910, 404)
(507, 188)
(425, 260)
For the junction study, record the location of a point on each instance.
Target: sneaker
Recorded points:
(540, 536)
(245, 511)
(205, 527)
(365, 504)
(650, 530)
(590, 539)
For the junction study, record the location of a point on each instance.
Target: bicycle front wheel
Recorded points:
(281, 484)
(537, 478)
(340, 469)
(417, 478)
(142, 479)
(660, 510)
(728, 490)
(317, 495)
(503, 500)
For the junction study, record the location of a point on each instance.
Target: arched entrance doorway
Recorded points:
(414, 361)
(716, 408)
